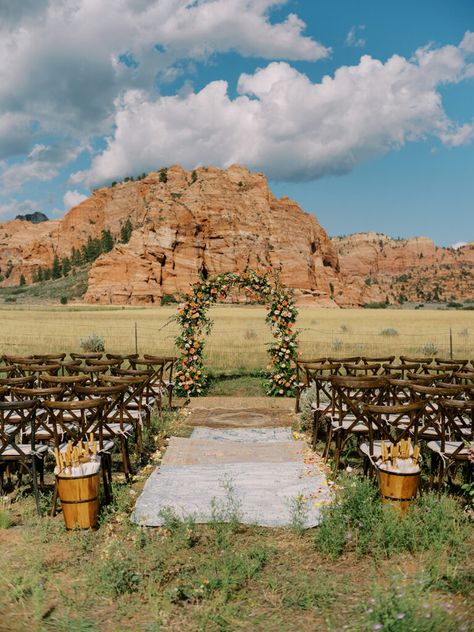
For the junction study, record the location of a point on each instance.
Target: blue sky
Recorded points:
(363, 112)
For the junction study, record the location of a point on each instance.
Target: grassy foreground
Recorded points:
(239, 340)
(363, 569)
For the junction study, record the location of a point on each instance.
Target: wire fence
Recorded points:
(233, 348)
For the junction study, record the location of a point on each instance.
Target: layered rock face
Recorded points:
(412, 270)
(212, 221)
(217, 221)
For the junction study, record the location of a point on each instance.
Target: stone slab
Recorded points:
(286, 404)
(246, 435)
(265, 493)
(192, 451)
(239, 418)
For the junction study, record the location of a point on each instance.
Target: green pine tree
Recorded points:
(66, 266)
(107, 241)
(126, 231)
(76, 259)
(22, 280)
(47, 274)
(56, 268)
(164, 175)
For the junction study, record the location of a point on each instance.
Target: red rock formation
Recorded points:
(407, 269)
(223, 221)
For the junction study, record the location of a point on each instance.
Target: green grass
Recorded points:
(243, 386)
(74, 286)
(5, 519)
(226, 576)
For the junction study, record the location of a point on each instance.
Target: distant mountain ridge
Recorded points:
(35, 218)
(181, 224)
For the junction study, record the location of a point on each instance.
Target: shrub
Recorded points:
(375, 305)
(464, 332)
(250, 334)
(337, 344)
(164, 175)
(454, 304)
(22, 280)
(429, 349)
(63, 300)
(168, 299)
(93, 343)
(389, 331)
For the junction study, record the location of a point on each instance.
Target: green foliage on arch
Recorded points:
(195, 324)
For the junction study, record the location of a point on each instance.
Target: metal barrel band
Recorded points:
(78, 502)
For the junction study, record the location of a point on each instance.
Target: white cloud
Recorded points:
(283, 123)
(353, 36)
(459, 244)
(43, 163)
(64, 63)
(73, 198)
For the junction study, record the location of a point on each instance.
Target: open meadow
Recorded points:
(240, 336)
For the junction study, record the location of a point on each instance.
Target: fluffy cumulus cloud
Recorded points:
(286, 125)
(73, 198)
(19, 207)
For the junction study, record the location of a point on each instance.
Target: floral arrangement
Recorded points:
(195, 324)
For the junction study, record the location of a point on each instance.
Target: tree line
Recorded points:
(89, 252)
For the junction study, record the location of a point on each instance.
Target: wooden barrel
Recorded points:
(398, 488)
(79, 500)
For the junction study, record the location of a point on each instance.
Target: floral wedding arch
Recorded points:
(195, 323)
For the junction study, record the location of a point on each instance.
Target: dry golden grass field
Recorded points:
(240, 335)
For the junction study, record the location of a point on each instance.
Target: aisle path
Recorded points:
(241, 459)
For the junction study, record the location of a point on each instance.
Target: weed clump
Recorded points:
(358, 521)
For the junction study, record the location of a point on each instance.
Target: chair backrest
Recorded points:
(421, 378)
(37, 369)
(38, 393)
(75, 420)
(424, 360)
(48, 357)
(394, 423)
(401, 368)
(361, 369)
(86, 356)
(461, 363)
(11, 382)
(457, 418)
(17, 418)
(381, 360)
(351, 359)
(350, 392)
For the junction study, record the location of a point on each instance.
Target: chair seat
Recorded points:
(25, 448)
(450, 447)
(114, 428)
(348, 423)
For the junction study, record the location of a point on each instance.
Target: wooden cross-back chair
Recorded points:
(36, 370)
(455, 361)
(44, 432)
(389, 425)
(135, 407)
(18, 420)
(115, 423)
(361, 370)
(155, 389)
(423, 378)
(12, 359)
(67, 382)
(416, 360)
(124, 359)
(347, 418)
(349, 359)
(306, 370)
(169, 365)
(50, 357)
(74, 421)
(380, 360)
(430, 420)
(457, 434)
(93, 372)
(400, 369)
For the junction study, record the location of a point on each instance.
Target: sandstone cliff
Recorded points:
(211, 221)
(216, 221)
(412, 270)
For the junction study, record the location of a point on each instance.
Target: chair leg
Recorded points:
(55, 500)
(328, 444)
(35, 485)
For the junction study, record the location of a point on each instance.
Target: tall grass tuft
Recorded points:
(358, 521)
